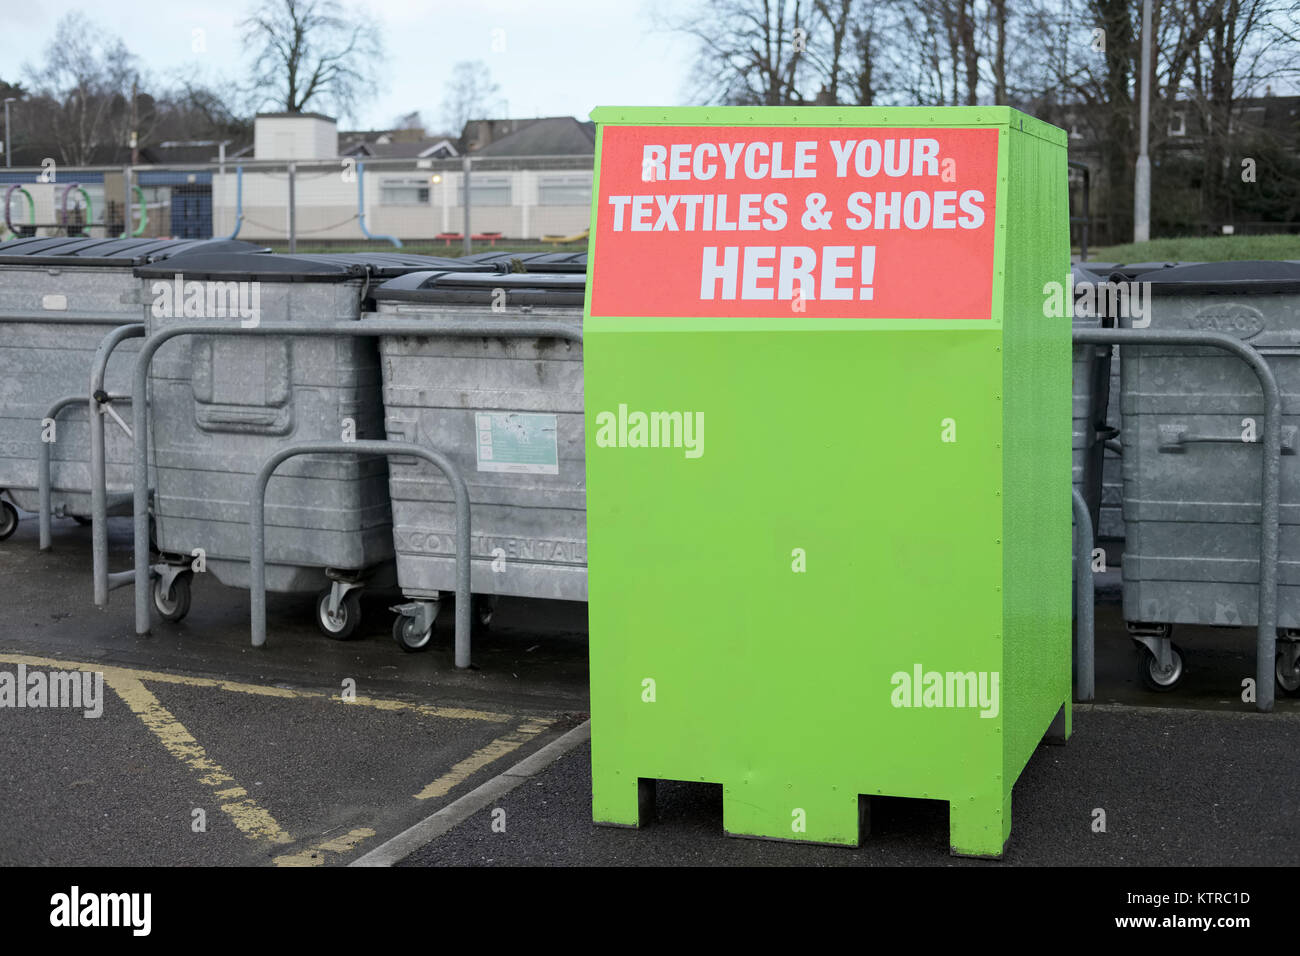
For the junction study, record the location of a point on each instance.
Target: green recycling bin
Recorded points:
(828, 419)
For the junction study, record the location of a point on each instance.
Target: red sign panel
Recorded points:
(824, 222)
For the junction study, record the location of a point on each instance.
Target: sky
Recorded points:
(549, 57)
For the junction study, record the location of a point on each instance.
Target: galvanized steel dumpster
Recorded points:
(221, 405)
(1193, 420)
(828, 481)
(59, 297)
(508, 413)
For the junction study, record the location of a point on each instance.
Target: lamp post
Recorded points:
(1142, 177)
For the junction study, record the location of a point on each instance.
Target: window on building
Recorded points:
(1178, 124)
(404, 192)
(486, 190)
(564, 189)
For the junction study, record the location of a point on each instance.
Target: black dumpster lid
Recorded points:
(310, 267)
(522, 288)
(1243, 277)
(384, 265)
(533, 261)
(123, 253)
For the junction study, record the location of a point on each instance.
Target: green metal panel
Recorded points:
(712, 657)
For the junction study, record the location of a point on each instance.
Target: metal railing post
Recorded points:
(239, 200)
(1085, 669)
(44, 481)
(466, 245)
(257, 527)
(1266, 638)
(293, 211)
(98, 465)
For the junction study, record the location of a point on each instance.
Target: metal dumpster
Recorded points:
(59, 297)
(221, 405)
(1193, 420)
(508, 412)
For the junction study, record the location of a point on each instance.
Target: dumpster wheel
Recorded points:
(341, 626)
(1288, 673)
(405, 633)
(484, 605)
(172, 604)
(1153, 677)
(8, 519)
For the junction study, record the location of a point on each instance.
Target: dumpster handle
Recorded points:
(417, 328)
(1174, 436)
(43, 480)
(257, 527)
(1270, 467)
(98, 468)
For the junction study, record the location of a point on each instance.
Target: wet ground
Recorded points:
(314, 752)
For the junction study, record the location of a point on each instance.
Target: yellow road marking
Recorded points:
(318, 854)
(264, 690)
(482, 757)
(254, 821)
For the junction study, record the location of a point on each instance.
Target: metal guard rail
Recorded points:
(1270, 468)
(419, 328)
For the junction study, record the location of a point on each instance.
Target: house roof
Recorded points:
(397, 144)
(546, 136)
(437, 148)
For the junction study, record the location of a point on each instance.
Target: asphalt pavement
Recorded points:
(311, 752)
(1177, 787)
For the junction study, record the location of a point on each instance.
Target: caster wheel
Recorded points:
(1153, 677)
(343, 625)
(1288, 677)
(482, 607)
(8, 519)
(82, 520)
(174, 605)
(405, 634)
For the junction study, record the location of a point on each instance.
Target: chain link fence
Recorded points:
(448, 205)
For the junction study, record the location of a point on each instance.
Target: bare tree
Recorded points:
(751, 52)
(89, 84)
(468, 94)
(310, 53)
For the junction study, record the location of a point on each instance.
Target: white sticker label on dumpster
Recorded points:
(517, 441)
